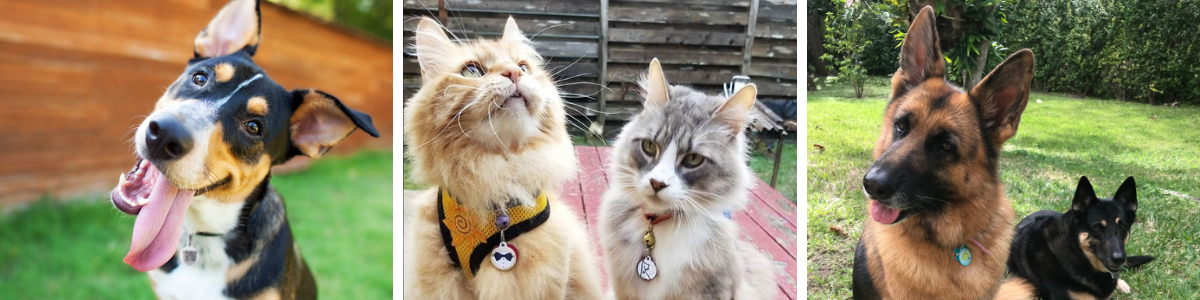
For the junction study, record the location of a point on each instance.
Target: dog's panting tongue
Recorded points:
(883, 214)
(160, 215)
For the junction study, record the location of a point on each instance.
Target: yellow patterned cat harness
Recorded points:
(473, 238)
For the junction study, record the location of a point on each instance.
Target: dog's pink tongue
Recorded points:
(883, 214)
(159, 224)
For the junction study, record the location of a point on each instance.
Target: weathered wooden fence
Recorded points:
(77, 75)
(606, 45)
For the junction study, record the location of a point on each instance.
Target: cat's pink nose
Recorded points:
(513, 73)
(657, 185)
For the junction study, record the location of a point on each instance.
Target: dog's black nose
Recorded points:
(167, 139)
(1118, 257)
(879, 184)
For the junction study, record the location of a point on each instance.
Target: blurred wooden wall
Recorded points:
(77, 76)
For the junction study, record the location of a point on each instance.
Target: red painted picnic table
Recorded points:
(768, 221)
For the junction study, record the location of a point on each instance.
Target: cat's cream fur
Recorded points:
(698, 251)
(466, 135)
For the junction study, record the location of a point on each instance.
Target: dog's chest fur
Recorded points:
(207, 278)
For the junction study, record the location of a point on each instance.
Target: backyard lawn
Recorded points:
(340, 210)
(1060, 139)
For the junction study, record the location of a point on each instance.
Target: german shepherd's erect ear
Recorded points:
(920, 55)
(1002, 96)
(1127, 195)
(1085, 196)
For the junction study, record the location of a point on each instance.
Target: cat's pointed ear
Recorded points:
(512, 33)
(735, 113)
(432, 44)
(236, 27)
(320, 121)
(655, 87)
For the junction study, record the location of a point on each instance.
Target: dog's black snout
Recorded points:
(167, 139)
(1118, 257)
(879, 184)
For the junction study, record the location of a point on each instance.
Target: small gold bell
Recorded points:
(648, 239)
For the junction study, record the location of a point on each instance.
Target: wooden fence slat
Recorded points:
(676, 37)
(671, 15)
(681, 56)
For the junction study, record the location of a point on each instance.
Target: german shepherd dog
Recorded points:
(936, 200)
(209, 224)
(1078, 254)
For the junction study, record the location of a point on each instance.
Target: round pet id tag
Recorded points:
(647, 269)
(504, 256)
(962, 255)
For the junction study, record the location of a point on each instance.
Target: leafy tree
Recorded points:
(373, 17)
(848, 33)
(966, 29)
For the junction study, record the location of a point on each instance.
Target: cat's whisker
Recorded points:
(498, 139)
(560, 70)
(544, 28)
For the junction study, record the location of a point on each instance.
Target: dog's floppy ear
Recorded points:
(1002, 96)
(238, 26)
(320, 121)
(920, 54)
(655, 87)
(735, 113)
(1127, 194)
(1085, 196)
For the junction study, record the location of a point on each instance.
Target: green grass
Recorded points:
(1059, 140)
(763, 163)
(340, 211)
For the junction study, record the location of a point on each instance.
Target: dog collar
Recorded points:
(471, 238)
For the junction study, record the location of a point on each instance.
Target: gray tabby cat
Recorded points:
(676, 168)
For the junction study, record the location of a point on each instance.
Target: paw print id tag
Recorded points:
(504, 256)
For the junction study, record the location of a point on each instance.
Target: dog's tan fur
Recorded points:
(452, 147)
(912, 259)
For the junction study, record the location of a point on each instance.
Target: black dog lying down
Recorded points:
(1078, 254)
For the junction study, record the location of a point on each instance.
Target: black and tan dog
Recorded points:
(209, 224)
(1078, 254)
(940, 224)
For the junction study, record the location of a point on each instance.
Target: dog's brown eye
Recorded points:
(901, 127)
(692, 160)
(947, 146)
(472, 70)
(524, 68)
(252, 127)
(649, 147)
(200, 79)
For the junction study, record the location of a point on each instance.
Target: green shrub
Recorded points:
(1136, 50)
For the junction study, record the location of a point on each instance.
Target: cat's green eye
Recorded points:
(649, 147)
(472, 70)
(692, 160)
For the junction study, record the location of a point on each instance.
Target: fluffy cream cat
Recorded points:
(487, 129)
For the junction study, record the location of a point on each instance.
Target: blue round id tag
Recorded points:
(962, 255)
